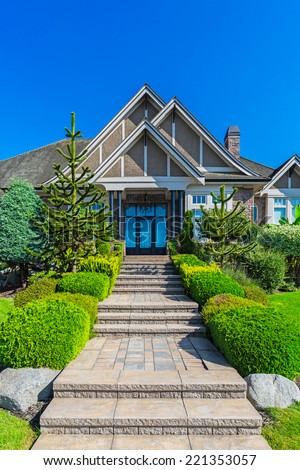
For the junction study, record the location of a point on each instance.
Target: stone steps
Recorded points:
(149, 288)
(151, 307)
(146, 330)
(133, 281)
(188, 416)
(149, 384)
(147, 272)
(150, 318)
(141, 277)
(148, 442)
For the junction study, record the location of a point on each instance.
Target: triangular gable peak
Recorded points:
(287, 176)
(184, 131)
(133, 152)
(145, 104)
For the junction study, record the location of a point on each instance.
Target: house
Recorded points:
(156, 160)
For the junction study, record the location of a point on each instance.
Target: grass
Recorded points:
(284, 433)
(5, 307)
(15, 433)
(287, 303)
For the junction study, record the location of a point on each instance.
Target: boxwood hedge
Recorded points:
(94, 284)
(45, 333)
(257, 339)
(205, 285)
(222, 303)
(37, 290)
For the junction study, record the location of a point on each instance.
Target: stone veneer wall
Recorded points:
(247, 197)
(260, 202)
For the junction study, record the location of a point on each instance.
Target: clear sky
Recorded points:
(230, 62)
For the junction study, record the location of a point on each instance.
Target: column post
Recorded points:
(180, 208)
(119, 208)
(173, 213)
(111, 205)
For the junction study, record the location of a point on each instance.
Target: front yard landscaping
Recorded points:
(284, 432)
(288, 303)
(5, 307)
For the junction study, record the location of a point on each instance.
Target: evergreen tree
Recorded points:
(224, 228)
(76, 213)
(18, 235)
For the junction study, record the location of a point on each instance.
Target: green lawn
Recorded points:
(287, 303)
(284, 433)
(5, 307)
(15, 434)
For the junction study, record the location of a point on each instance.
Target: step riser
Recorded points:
(154, 289)
(144, 309)
(145, 394)
(147, 282)
(149, 322)
(140, 277)
(147, 334)
(148, 272)
(87, 427)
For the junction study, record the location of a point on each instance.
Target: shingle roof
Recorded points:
(262, 170)
(36, 166)
(232, 177)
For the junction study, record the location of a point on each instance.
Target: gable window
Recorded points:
(279, 209)
(199, 200)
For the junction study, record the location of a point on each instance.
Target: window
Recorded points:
(197, 213)
(199, 199)
(279, 201)
(255, 213)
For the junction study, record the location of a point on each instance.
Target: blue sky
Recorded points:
(229, 62)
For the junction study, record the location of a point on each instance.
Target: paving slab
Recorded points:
(149, 380)
(86, 379)
(146, 442)
(228, 443)
(73, 442)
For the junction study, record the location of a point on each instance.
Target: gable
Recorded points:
(175, 170)
(111, 142)
(134, 159)
(156, 159)
(187, 141)
(290, 179)
(295, 180)
(114, 171)
(283, 181)
(144, 109)
(211, 159)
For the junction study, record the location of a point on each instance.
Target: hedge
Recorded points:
(258, 340)
(191, 260)
(205, 285)
(41, 275)
(222, 303)
(45, 333)
(187, 271)
(87, 283)
(251, 289)
(37, 290)
(109, 265)
(89, 303)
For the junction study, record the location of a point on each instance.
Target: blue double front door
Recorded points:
(145, 228)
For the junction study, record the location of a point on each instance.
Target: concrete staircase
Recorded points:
(150, 372)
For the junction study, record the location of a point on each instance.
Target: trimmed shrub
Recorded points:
(172, 246)
(256, 293)
(190, 260)
(38, 290)
(265, 266)
(109, 265)
(222, 303)
(47, 333)
(284, 239)
(89, 303)
(251, 289)
(205, 285)
(41, 275)
(187, 271)
(102, 248)
(120, 248)
(94, 284)
(257, 340)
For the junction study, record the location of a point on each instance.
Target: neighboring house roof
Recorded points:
(36, 166)
(233, 177)
(280, 171)
(263, 170)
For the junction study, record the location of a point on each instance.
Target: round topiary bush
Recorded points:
(94, 284)
(89, 303)
(258, 340)
(256, 293)
(205, 285)
(45, 333)
(38, 290)
(222, 303)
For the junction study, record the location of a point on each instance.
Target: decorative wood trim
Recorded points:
(145, 155)
(168, 166)
(201, 151)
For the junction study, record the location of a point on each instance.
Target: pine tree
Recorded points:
(19, 206)
(73, 223)
(224, 228)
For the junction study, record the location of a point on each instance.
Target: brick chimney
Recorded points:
(232, 141)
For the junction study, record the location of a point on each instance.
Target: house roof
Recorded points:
(234, 177)
(35, 166)
(259, 168)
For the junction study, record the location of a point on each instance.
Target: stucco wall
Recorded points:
(114, 171)
(175, 170)
(210, 158)
(295, 180)
(156, 159)
(166, 128)
(134, 160)
(247, 197)
(134, 119)
(152, 111)
(282, 182)
(187, 141)
(93, 161)
(111, 143)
